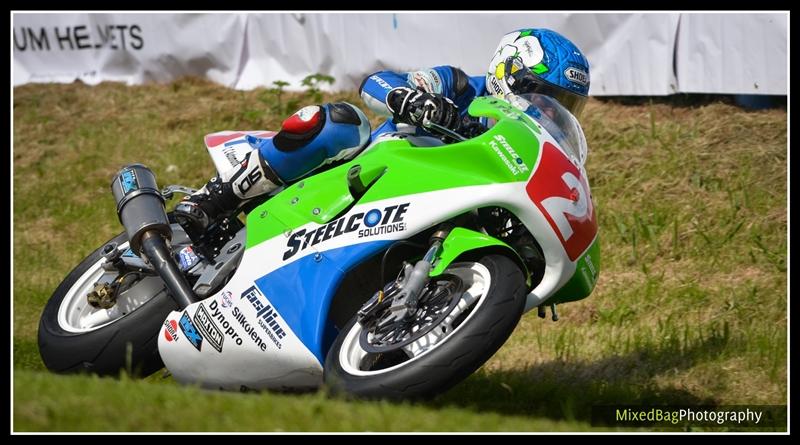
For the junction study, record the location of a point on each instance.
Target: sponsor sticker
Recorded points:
(508, 155)
(227, 299)
(227, 328)
(266, 315)
(187, 258)
(381, 82)
(171, 330)
(210, 330)
(366, 224)
(128, 181)
(437, 81)
(428, 81)
(190, 331)
(576, 75)
(230, 155)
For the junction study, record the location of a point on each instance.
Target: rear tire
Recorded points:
(486, 324)
(103, 350)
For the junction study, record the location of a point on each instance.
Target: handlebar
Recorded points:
(442, 131)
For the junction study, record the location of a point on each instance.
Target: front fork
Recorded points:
(414, 278)
(446, 245)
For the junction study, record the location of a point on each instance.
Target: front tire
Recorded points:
(489, 309)
(75, 337)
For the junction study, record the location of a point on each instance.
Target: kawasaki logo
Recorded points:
(516, 166)
(377, 222)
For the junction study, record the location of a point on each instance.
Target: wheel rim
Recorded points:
(436, 301)
(355, 360)
(75, 314)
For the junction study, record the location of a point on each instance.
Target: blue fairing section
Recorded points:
(302, 291)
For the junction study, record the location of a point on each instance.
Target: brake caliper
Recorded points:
(103, 296)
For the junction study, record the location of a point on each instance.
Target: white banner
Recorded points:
(131, 48)
(629, 54)
(740, 53)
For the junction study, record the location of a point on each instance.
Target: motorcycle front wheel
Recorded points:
(74, 336)
(468, 317)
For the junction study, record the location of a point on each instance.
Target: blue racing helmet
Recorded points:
(540, 61)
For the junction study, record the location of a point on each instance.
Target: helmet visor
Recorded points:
(521, 80)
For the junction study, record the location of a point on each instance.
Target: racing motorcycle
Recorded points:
(394, 275)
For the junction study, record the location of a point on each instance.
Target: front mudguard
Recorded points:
(465, 244)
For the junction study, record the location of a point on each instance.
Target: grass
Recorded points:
(101, 404)
(690, 308)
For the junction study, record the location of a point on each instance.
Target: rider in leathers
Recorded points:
(526, 61)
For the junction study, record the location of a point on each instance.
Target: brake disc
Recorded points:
(437, 300)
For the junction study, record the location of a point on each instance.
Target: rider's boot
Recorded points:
(225, 194)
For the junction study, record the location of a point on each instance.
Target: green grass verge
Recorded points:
(690, 307)
(89, 403)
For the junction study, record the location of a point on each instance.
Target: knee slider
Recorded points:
(314, 136)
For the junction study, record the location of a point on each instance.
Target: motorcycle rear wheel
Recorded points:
(491, 305)
(76, 337)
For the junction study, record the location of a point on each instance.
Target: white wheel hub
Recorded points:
(477, 280)
(75, 314)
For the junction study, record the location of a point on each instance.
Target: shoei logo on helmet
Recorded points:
(577, 75)
(496, 87)
(302, 121)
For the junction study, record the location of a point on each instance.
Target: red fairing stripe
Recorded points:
(562, 195)
(212, 140)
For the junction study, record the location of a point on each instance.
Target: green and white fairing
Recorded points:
(269, 326)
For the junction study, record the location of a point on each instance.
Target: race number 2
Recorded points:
(562, 194)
